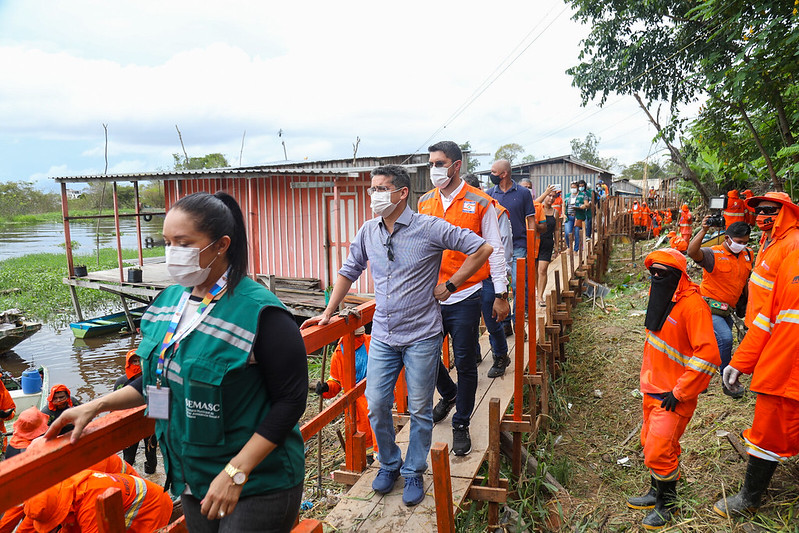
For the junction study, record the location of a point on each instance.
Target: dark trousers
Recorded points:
(462, 324)
(150, 459)
(496, 333)
(274, 512)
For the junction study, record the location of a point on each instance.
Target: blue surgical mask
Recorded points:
(582, 188)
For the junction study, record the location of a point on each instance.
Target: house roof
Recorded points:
(564, 158)
(315, 168)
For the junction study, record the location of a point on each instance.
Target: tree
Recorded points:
(509, 151)
(215, 160)
(741, 56)
(22, 198)
(473, 164)
(588, 151)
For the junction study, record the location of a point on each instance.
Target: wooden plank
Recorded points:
(442, 487)
(110, 511)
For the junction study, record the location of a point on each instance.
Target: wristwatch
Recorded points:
(451, 286)
(238, 476)
(501, 295)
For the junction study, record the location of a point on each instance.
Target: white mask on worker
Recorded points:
(381, 203)
(735, 247)
(183, 265)
(440, 177)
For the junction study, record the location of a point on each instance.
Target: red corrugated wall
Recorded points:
(287, 227)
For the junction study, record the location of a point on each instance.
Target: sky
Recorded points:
(398, 75)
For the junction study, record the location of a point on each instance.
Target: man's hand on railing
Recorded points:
(320, 320)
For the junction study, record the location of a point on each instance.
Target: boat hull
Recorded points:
(10, 337)
(104, 325)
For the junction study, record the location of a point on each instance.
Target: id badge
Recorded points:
(158, 402)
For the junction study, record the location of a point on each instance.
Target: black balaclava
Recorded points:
(664, 284)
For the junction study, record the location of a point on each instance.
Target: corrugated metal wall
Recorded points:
(541, 182)
(289, 228)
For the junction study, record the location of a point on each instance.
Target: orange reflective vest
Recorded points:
(6, 404)
(729, 276)
(683, 355)
(667, 215)
(678, 243)
(146, 506)
(770, 349)
(557, 203)
(685, 224)
(784, 240)
(466, 211)
(636, 211)
(735, 210)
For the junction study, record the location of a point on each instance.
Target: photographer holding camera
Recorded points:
(726, 268)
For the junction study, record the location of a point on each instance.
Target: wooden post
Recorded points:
(518, 376)
(494, 415)
(442, 487)
(119, 237)
(137, 205)
(110, 511)
(355, 451)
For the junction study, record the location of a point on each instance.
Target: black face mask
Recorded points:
(495, 179)
(664, 284)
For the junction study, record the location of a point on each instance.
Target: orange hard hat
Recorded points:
(772, 196)
(31, 423)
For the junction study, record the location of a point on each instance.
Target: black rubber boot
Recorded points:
(647, 501)
(758, 477)
(665, 503)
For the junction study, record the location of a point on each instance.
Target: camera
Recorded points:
(717, 204)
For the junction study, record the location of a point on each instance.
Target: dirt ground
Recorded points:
(598, 419)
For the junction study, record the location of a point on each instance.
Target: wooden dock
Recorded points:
(361, 509)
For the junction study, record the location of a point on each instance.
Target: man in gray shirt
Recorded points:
(404, 251)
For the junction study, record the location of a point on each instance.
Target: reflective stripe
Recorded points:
(788, 315)
(668, 477)
(761, 282)
(762, 322)
(728, 214)
(696, 363)
(476, 198)
(226, 336)
(428, 196)
(231, 327)
(757, 451)
(159, 314)
(686, 225)
(141, 492)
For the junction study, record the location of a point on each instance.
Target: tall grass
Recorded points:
(42, 293)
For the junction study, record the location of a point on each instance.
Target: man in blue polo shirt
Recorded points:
(519, 203)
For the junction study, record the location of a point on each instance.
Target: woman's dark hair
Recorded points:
(218, 215)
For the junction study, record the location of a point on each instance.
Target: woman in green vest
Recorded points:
(224, 375)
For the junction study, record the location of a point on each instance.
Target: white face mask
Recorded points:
(381, 203)
(440, 177)
(183, 265)
(735, 247)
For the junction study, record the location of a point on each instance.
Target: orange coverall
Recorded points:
(784, 240)
(6, 404)
(735, 210)
(770, 352)
(71, 503)
(334, 386)
(686, 219)
(677, 242)
(680, 358)
(636, 211)
(749, 213)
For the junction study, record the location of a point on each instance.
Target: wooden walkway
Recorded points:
(361, 509)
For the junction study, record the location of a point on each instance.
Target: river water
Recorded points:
(88, 367)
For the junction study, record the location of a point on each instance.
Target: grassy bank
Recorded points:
(42, 295)
(55, 216)
(598, 421)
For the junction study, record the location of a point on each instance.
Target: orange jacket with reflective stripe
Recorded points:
(686, 218)
(784, 240)
(466, 211)
(734, 212)
(683, 355)
(770, 349)
(729, 276)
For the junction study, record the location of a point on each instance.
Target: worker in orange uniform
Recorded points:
(749, 213)
(331, 387)
(636, 211)
(677, 242)
(777, 216)
(685, 223)
(770, 352)
(725, 272)
(71, 503)
(680, 357)
(557, 203)
(31, 424)
(646, 217)
(658, 223)
(667, 216)
(735, 210)
(7, 411)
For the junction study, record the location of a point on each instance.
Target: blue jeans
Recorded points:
(722, 329)
(420, 360)
(571, 230)
(462, 324)
(496, 334)
(273, 512)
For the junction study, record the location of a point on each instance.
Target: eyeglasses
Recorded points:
(439, 164)
(767, 210)
(371, 190)
(389, 248)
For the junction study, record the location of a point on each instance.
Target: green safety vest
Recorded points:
(217, 397)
